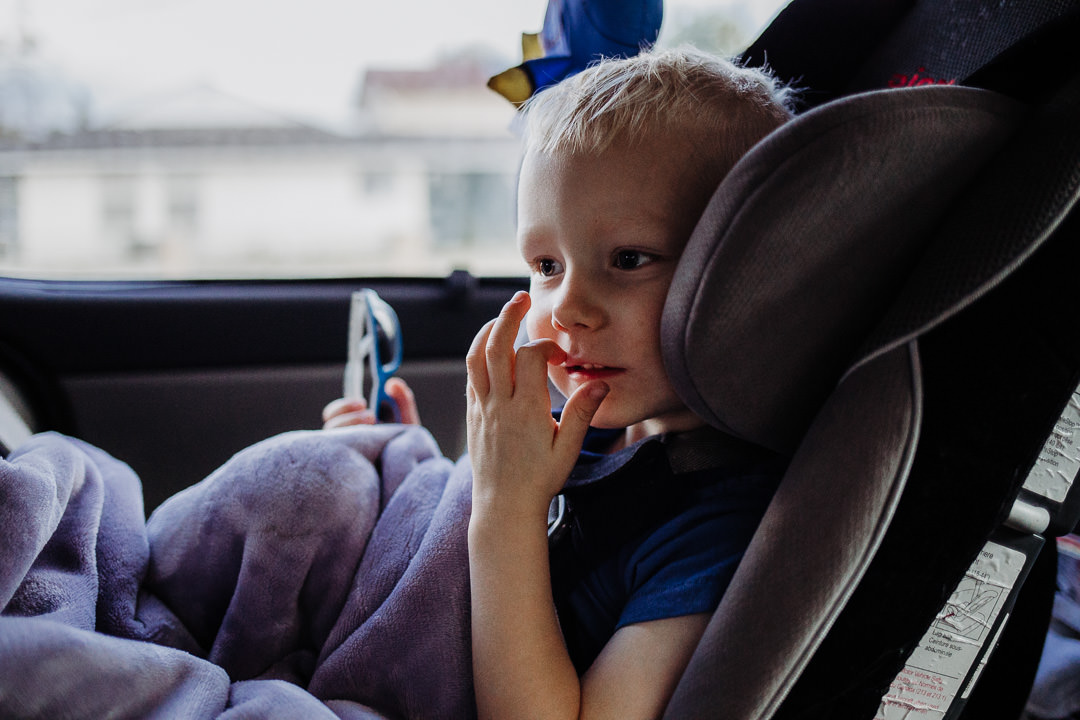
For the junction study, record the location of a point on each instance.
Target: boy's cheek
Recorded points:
(533, 325)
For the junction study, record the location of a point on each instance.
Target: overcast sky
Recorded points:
(303, 57)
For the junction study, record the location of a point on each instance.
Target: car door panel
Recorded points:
(175, 377)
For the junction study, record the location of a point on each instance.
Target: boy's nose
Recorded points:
(576, 307)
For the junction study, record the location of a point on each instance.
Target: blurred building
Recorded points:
(199, 184)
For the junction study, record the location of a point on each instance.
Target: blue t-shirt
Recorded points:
(655, 531)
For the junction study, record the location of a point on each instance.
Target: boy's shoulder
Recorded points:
(613, 499)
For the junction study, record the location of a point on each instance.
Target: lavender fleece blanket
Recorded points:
(315, 575)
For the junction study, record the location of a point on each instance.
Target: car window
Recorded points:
(301, 138)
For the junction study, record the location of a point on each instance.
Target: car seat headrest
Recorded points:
(804, 244)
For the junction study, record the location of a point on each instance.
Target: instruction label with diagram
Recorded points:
(937, 670)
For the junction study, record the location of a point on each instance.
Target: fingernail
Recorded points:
(599, 391)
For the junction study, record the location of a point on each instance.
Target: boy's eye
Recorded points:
(632, 259)
(548, 267)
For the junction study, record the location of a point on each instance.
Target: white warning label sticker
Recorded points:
(935, 672)
(1055, 469)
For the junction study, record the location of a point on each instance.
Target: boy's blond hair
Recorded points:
(722, 107)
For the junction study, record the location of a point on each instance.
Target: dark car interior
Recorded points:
(207, 368)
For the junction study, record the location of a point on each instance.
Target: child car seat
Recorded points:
(897, 265)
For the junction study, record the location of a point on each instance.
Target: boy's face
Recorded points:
(602, 235)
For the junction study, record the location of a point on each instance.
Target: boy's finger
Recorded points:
(533, 360)
(342, 405)
(499, 352)
(359, 417)
(402, 394)
(576, 416)
(476, 361)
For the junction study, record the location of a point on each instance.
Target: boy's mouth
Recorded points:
(590, 371)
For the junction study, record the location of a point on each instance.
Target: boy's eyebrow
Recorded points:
(528, 237)
(658, 232)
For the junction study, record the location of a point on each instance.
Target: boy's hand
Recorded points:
(343, 412)
(520, 455)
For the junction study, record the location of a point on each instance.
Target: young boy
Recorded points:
(620, 161)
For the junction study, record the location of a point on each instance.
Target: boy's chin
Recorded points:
(611, 421)
(677, 420)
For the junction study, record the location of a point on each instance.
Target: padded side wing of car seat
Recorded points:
(806, 242)
(840, 492)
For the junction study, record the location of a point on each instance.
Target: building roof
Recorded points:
(178, 138)
(195, 117)
(468, 73)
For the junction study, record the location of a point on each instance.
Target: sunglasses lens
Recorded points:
(386, 332)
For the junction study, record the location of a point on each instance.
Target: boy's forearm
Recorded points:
(520, 661)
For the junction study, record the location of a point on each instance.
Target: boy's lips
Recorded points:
(590, 371)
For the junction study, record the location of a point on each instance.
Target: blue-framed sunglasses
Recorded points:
(374, 353)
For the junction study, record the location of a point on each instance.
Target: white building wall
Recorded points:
(349, 209)
(59, 218)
